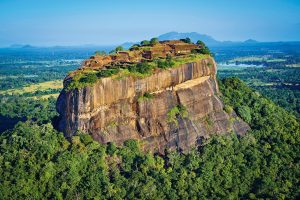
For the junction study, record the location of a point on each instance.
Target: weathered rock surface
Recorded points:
(111, 110)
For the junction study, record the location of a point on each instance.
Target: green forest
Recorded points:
(150, 100)
(281, 84)
(37, 162)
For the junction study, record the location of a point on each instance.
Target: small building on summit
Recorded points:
(183, 48)
(122, 56)
(169, 47)
(159, 50)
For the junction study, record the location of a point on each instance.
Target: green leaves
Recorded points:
(146, 96)
(88, 78)
(154, 41)
(107, 72)
(276, 138)
(176, 111)
(143, 68)
(36, 161)
(245, 113)
(145, 42)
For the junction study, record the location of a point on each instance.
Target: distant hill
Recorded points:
(18, 46)
(194, 36)
(251, 41)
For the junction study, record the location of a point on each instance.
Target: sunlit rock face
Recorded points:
(112, 110)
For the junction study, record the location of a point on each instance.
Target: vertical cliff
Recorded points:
(173, 108)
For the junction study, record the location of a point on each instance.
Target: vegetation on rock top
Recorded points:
(86, 77)
(139, 70)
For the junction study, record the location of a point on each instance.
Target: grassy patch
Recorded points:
(81, 80)
(192, 58)
(145, 97)
(107, 73)
(141, 69)
(112, 124)
(36, 88)
(276, 60)
(250, 59)
(47, 96)
(209, 64)
(265, 58)
(228, 109)
(294, 65)
(208, 121)
(176, 111)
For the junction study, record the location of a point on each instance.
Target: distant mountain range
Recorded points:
(88, 47)
(23, 46)
(194, 36)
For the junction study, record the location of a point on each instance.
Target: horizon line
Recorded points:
(110, 45)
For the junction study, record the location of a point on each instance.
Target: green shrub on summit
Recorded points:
(143, 68)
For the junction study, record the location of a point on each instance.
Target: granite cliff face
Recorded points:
(182, 107)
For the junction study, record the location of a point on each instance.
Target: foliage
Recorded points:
(154, 41)
(100, 53)
(245, 113)
(164, 64)
(208, 121)
(140, 70)
(177, 111)
(204, 49)
(228, 109)
(41, 163)
(285, 96)
(81, 80)
(119, 48)
(134, 47)
(187, 40)
(13, 77)
(37, 162)
(146, 96)
(88, 78)
(200, 43)
(145, 42)
(274, 71)
(116, 50)
(281, 84)
(143, 68)
(15, 108)
(107, 72)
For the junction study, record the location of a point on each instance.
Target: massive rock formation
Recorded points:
(182, 106)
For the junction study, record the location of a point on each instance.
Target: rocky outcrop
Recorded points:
(115, 110)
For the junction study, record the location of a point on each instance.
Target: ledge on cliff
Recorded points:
(169, 102)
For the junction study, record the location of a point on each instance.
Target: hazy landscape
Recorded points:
(150, 100)
(270, 68)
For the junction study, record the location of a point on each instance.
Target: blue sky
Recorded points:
(104, 22)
